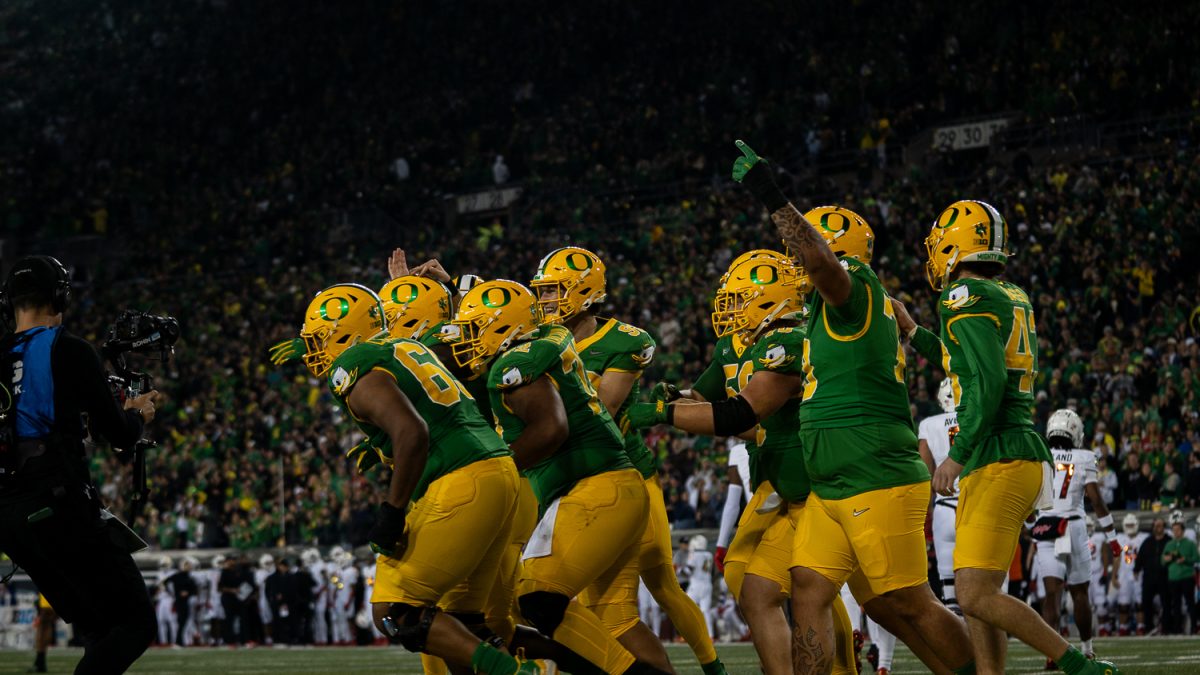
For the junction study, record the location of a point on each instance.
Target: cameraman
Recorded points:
(50, 515)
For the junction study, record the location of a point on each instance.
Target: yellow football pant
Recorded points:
(750, 529)
(882, 532)
(457, 533)
(993, 502)
(594, 547)
(619, 608)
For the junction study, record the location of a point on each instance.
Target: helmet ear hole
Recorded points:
(947, 249)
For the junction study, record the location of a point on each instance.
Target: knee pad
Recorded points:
(476, 622)
(544, 610)
(408, 625)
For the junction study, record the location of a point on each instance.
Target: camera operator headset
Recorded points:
(51, 523)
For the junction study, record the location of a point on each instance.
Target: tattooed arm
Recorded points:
(810, 251)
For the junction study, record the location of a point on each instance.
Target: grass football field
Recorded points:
(1135, 656)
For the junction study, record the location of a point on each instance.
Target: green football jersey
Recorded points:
(854, 377)
(990, 348)
(725, 377)
(438, 339)
(620, 347)
(458, 433)
(781, 454)
(594, 445)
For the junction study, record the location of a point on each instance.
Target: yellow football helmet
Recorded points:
(968, 230)
(754, 294)
(577, 275)
(847, 233)
(802, 280)
(413, 305)
(337, 318)
(491, 316)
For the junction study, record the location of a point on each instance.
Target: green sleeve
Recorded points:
(927, 344)
(711, 383)
(637, 355)
(523, 364)
(1193, 553)
(983, 380)
(849, 317)
(1168, 551)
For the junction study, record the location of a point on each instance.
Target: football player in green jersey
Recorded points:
(570, 284)
(420, 420)
(989, 350)
(594, 502)
(418, 308)
(870, 487)
(761, 302)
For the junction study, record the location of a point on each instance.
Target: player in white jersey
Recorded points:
(935, 438)
(700, 580)
(343, 598)
(1128, 582)
(164, 604)
(214, 611)
(735, 498)
(266, 567)
(1097, 589)
(311, 561)
(1061, 533)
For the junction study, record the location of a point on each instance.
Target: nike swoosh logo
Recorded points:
(595, 352)
(858, 512)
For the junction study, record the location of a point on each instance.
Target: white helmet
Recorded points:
(1090, 523)
(165, 563)
(189, 563)
(218, 561)
(698, 543)
(335, 554)
(310, 556)
(1130, 524)
(1175, 517)
(1066, 423)
(266, 562)
(945, 395)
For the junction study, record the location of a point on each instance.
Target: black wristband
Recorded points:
(761, 184)
(670, 413)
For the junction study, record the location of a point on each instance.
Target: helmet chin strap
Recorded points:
(769, 319)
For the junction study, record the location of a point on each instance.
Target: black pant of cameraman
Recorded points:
(78, 561)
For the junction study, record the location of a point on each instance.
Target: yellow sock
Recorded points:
(582, 633)
(683, 612)
(433, 665)
(843, 641)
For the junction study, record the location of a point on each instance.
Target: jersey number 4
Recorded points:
(1019, 354)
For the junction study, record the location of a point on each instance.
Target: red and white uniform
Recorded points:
(1068, 556)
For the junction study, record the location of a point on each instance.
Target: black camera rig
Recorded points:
(153, 337)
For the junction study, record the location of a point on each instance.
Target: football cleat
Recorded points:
(492, 316)
(414, 305)
(846, 232)
(966, 231)
(755, 294)
(337, 318)
(569, 280)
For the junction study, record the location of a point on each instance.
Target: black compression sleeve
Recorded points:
(733, 416)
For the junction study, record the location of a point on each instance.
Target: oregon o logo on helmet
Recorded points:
(490, 298)
(343, 308)
(572, 261)
(953, 211)
(842, 228)
(760, 279)
(404, 293)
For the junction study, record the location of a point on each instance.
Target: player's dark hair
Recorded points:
(986, 269)
(33, 300)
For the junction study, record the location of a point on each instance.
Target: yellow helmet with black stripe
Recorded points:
(413, 305)
(966, 231)
(490, 317)
(753, 295)
(337, 318)
(569, 280)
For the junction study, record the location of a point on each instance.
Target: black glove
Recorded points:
(388, 537)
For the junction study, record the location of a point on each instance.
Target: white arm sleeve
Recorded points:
(729, 516)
